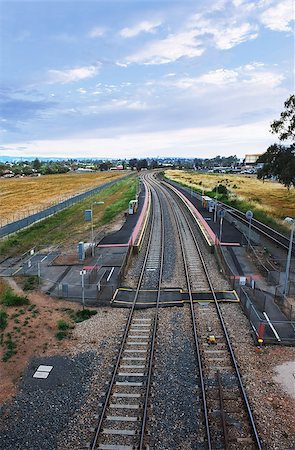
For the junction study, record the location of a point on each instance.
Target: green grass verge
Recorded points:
(66, 223)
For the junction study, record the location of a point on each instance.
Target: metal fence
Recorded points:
(30, 220)
(270, 331)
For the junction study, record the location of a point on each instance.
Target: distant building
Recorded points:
(83, 170)
(119, 167)
(250, 159)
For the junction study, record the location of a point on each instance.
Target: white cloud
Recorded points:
(228, 37)
(168, 50)
(97, 32)
(279, 16)
(72, 75)
(191, 142)
(142, 27)
(197, 33)
(254, 74)
(219, 76)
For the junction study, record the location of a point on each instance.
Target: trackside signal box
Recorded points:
(132, 206)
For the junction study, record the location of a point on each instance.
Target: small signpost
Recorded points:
(249, 217)
(88, 215)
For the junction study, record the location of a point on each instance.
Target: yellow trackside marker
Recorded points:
(211, 339)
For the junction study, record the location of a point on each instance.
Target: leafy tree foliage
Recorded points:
(279, 162)
(133, 163)
(36, 164)
(142, 164)
(285, 126)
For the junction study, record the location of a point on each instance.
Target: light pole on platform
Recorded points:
(292, 221)
(92, 232)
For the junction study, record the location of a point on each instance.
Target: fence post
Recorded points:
(261, 329)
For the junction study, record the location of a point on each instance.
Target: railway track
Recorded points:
(123, 416)
(225, 420)
(227, 417)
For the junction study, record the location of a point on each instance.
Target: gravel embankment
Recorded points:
(57, 413)
(272, 407)
(41, 409)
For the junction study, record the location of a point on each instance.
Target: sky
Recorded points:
(123, 79)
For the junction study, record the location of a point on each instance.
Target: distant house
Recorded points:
(8, 174)
(84, 169)
(119, 167)
(251, 159)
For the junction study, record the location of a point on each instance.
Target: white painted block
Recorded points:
(40, 374)
(45, 368)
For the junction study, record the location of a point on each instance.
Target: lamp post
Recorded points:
(249, 217)
(215, 206)
(92, 232)
(292, 221)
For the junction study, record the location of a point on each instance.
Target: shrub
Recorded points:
(3, 320)
(221, 189)
(30, 283)
(61, 335)
(80, 316)
(10, 345)
(63, 325)
(9, 298)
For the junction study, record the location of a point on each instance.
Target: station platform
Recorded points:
(122, 236)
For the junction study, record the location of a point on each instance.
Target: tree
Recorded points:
(103, 167)
(154, 164)
(141, 164)
(36, 164)
(133, 163)
(285, 126)
(278, 162)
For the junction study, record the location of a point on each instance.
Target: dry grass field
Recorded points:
(269, 198)
(20, 197)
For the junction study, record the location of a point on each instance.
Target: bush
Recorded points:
(10, 345)
(63, 325)
(3, 320)
(80, 316)
(31, 283)
(221, 189)
(61, 335)
(9, 298)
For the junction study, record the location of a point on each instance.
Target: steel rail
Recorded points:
(233, 359)
(153, 342)
(123, 342)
